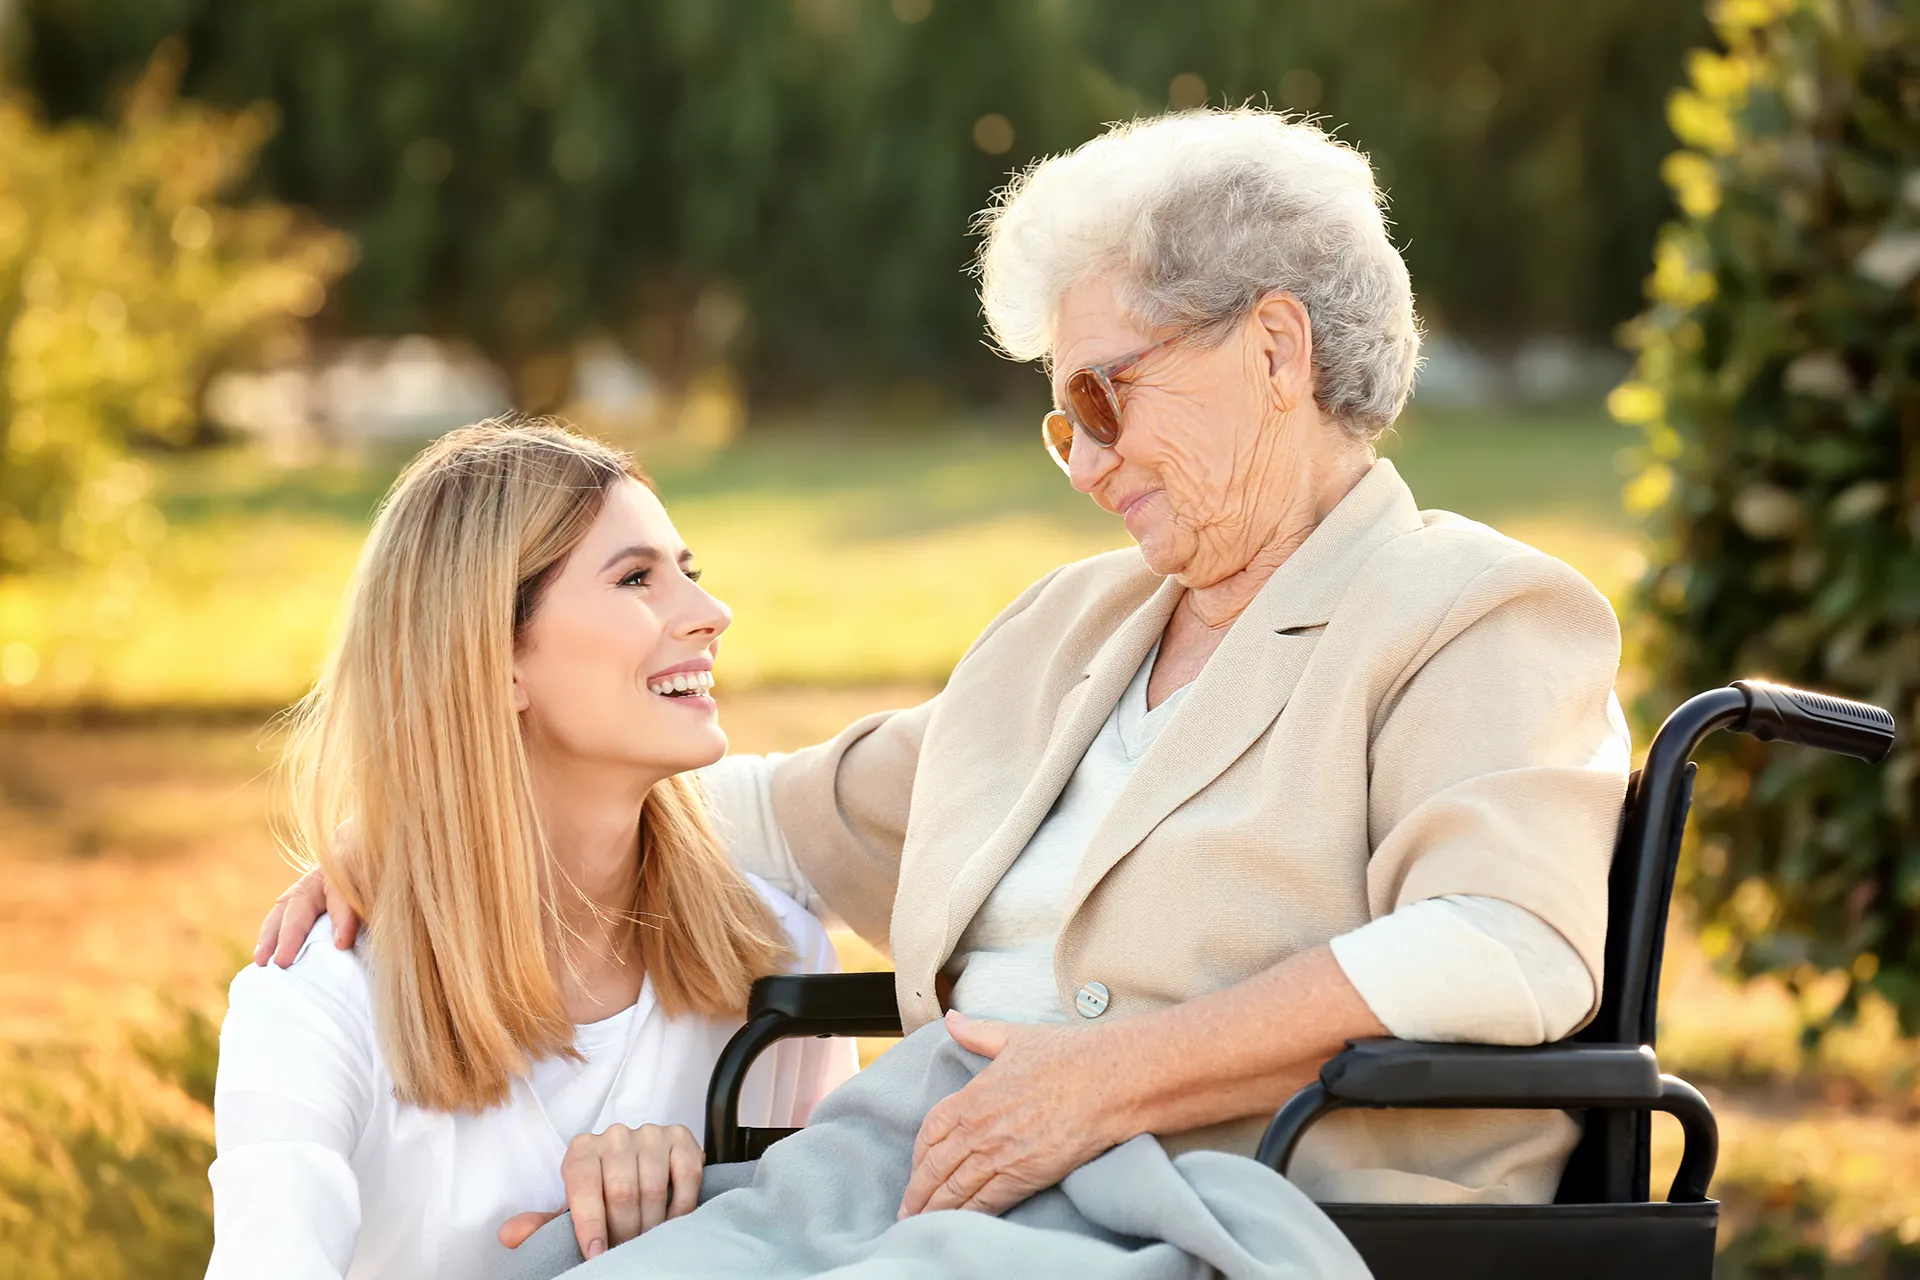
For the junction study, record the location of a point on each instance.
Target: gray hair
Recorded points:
(1202, 214)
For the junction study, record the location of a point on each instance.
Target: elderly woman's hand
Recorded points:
(1035, 1114)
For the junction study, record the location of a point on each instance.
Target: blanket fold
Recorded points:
(822, 1203)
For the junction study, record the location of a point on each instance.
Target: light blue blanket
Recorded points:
(822, 1203)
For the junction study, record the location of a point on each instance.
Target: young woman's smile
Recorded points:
(689, 683)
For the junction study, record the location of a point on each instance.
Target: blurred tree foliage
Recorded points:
(122, 279)
(787, 183)
(1777, 388)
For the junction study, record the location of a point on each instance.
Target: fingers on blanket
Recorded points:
(945, 1175)
(580, 1174)
(934, 1129)
(623, 1182)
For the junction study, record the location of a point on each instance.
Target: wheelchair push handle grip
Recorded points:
(1778, 712)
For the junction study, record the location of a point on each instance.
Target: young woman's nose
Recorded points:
(1088, 464)
(701, 615)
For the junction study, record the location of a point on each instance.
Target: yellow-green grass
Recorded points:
(851, 554)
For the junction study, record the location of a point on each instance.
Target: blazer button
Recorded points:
(1091, 1001)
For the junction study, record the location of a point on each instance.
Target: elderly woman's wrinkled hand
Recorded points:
(1035, 1114)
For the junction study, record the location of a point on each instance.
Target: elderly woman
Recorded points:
(1309, 765)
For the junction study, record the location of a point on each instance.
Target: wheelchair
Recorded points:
(1602, 1222)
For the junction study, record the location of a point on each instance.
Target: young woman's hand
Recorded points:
(620, 1183)
(294, 912)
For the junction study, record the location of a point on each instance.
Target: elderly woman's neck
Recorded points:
(1293, 509)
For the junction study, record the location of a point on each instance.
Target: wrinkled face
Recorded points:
(1202, 438)
(615, 664)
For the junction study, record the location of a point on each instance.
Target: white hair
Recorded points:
(1201, 214)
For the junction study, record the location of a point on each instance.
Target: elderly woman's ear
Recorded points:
(1288, 343)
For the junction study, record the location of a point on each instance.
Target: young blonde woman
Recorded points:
(559, 947)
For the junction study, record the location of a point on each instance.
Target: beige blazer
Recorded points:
(1414, 705)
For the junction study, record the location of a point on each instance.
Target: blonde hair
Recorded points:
(410, 735)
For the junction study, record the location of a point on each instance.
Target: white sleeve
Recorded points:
(293, 1093)
(739, 792)
(1469, 969)
(795, 1074)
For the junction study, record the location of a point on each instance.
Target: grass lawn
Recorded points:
(850, 555)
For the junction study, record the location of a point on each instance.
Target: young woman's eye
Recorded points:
(638, 578)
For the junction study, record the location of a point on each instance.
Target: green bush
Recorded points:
(103, 1165)
(1776, 385)
(124, 279)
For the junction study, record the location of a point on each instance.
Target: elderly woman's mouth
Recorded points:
(1128, 505)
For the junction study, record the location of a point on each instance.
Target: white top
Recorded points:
(1003, 964)
(573, 1093)
(1455, 968)
(321, 1172)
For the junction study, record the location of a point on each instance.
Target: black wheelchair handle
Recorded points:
(780, 1008)
(1395, 1074)
(1776, 712)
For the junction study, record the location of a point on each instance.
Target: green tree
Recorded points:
(123, 280)
(787, 183)
(1776, 386)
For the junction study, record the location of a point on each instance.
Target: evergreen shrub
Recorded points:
(1776, 389)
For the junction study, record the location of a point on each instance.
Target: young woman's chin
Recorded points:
(681, 732)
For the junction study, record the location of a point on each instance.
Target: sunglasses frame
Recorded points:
(1101, 377)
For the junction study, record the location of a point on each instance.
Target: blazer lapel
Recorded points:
(1083, 710)
(1246, 683)
(1234, 701)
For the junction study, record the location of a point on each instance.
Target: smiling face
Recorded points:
(1214, 435)
(615, 663)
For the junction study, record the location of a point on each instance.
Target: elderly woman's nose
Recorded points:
(1088, 464)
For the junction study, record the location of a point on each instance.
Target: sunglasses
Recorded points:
(1093, 406)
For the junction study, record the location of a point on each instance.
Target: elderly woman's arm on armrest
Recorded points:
(1467, 969)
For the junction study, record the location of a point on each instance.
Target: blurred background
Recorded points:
(253, 253)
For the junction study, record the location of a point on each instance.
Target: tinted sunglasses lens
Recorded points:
(1057, 431)
(1091, 400)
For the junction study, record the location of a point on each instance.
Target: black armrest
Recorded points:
(1400, 1073)
(819, 1003)
(780, 1008)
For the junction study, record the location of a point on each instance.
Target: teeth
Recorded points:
(685, 682)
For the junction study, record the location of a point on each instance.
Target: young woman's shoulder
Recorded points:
(286, 1028)
(812, 948)
(320, 973)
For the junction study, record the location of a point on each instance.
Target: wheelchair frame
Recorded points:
(1602, 1222)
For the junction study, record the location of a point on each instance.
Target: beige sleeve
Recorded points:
(842, 806)
(1499, 763)
(1467, 969)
